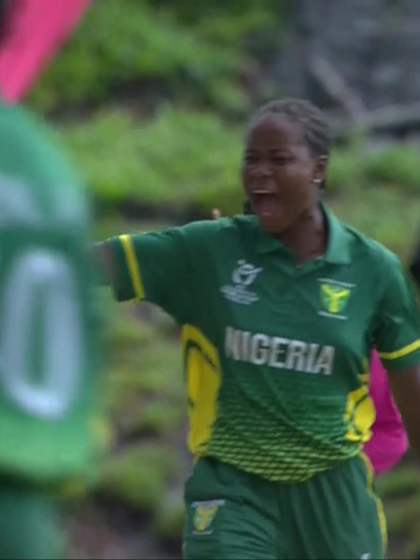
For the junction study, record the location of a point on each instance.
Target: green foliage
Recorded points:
(400, 490)
(161, 417)
(145, 387)
(138, 476)
(370, 189)
(146, 403)
(179, 159)
(396, 165)
(234, 22)
(376, 211)
(170, 516)
(185, 52)
(404, 481)
(347, 169)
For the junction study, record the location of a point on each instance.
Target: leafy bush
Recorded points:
(369, 189)
(376, 211)
(161, 50)
(170, 517)
(139, 475)
(402, 482)
(346, 168)
(400, 490)
(251, 26)
(179, 159)
(397, 165)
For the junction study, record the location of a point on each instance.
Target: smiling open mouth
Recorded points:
(264, 202)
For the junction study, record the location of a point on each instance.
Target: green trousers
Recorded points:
(235, 515)
(29, 523)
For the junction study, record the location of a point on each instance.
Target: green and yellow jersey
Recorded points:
(47, 370)
(276, 355)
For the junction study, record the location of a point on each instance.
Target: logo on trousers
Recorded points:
(204, 514)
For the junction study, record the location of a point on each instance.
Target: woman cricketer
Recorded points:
(280, 311)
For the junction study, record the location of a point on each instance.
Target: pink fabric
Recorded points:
(389, 441)
(35, 30)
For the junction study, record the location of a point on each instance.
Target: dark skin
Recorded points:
(405, 386)
(415, 266)
(281, 177)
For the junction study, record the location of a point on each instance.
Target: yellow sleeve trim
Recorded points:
(133, 265)
(402, 352)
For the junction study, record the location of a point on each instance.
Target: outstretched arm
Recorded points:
(405, 387)
(152, 266)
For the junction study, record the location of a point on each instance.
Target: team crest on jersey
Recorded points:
(243, 276)
(334, 297)
(204, 514)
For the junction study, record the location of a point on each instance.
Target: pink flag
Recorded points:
(34, 31)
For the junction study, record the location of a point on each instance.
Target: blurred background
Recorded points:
(150, 99)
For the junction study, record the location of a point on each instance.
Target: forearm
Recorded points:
(406, 390)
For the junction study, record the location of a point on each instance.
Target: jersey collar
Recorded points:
(338, 250)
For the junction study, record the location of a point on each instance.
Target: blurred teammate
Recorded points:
(47, 371)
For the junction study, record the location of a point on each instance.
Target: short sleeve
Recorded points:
(154, 267)
(397, 332)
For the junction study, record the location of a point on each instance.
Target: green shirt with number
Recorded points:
(276, 354)
(47, 360)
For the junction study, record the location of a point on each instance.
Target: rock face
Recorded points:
(352, 54)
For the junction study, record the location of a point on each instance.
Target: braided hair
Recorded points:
(315, 128)
(316, 133)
